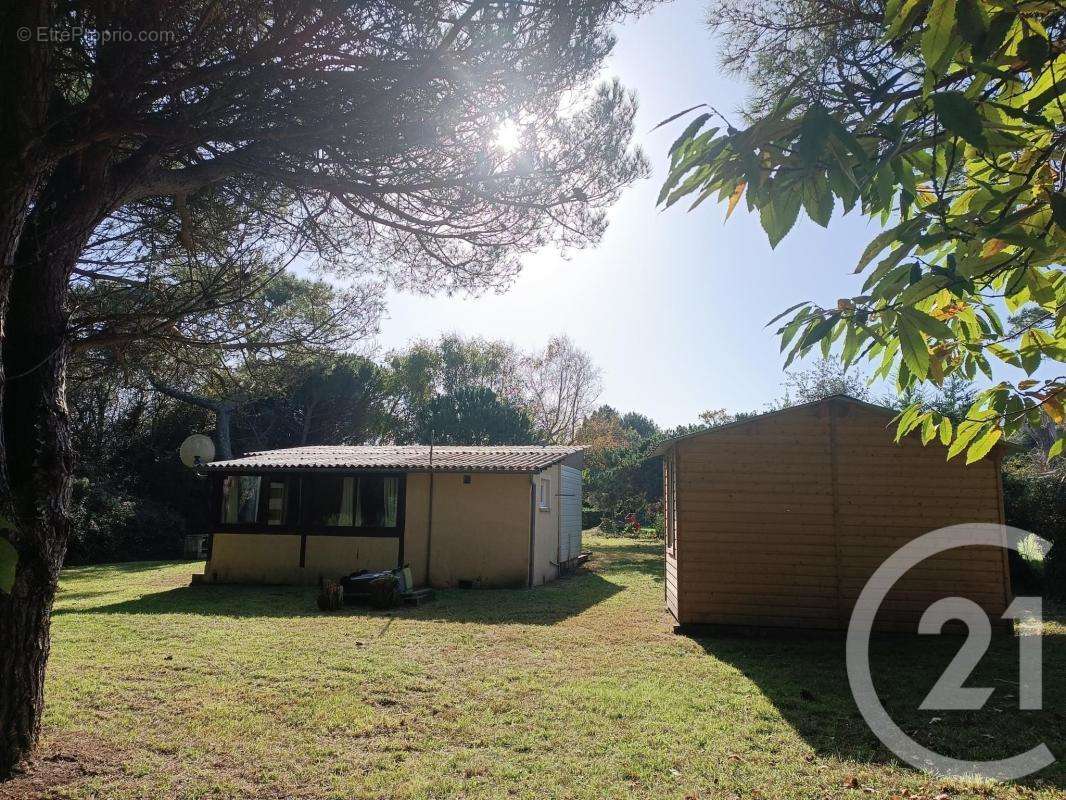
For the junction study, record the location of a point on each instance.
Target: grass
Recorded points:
(578, 689)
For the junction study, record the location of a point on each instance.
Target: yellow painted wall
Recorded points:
(254, 558)
(336, 556)
(415, 525)
(480, 530)
(480, 534)
(546, 548)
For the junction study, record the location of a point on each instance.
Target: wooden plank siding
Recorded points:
(782, 519)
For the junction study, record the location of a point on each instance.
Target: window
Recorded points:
(240, 498)
(277, 501)
(329, 501)
(377, 503)
(317, 501)
(368, 501)
(670, 474)
(544, 494)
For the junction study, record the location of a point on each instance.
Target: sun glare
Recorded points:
(508, 136)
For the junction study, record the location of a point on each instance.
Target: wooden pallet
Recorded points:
(416, 597)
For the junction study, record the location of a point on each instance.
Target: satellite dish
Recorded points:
(197, 450)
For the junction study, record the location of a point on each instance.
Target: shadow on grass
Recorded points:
(543, 605)
(806, 680)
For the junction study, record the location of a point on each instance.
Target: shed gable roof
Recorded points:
(841, 398)
(401, 458)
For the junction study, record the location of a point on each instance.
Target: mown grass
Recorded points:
(578, 689)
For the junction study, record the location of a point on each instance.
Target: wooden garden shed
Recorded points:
(779, 520)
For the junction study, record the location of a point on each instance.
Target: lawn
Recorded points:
(579, 689)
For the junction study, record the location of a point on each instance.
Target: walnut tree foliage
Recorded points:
(944, 120)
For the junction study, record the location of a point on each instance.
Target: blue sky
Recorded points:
(671, 305)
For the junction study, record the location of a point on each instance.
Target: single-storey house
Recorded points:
(458, 516)
(779, 520)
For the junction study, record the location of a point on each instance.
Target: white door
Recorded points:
(569, 513)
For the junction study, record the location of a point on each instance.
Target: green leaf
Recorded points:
(788, 310)
(1005, 354)
(897, 14)
(779, 215)
(982, 446)
(908, 420)
(1056, 448)
(971, 23)
(689, 132)
(9, 558)
(814, 131)
(914, 349)
(817, 199)
(960, 116)
(928, 324)
(1041, 289)
(817, 332)
(672, 117)
(929, 430)
(876, 245)
(937, 37)
(1058, 209)
(853, 339)
(789, 331)
(963, 436)
(998, 27)
(1036, 50)
(1030, 353)
(945, 431)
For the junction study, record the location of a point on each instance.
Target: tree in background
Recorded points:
(640, 424)
(823, 378)
(363, 135)
(620, 478)
(603, 430)
(555, 387)
(714, 417)
(559, 385)
(944, 121)
(451, 365)
(131, 499)
(316, 399)
(473, 415)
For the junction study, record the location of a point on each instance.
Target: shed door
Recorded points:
(569, 513)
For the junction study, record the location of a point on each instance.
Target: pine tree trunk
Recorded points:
(25, 616)
(37, 453)
(39, 460)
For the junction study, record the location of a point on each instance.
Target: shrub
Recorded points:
(1036, 502)
(590, 518)
(1055, 573)
(109, 524)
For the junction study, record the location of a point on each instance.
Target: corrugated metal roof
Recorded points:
(409, 458)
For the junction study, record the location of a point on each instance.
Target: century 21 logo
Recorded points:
(948, 693)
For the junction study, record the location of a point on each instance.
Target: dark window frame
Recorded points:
(296, 491)
(670, 500)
